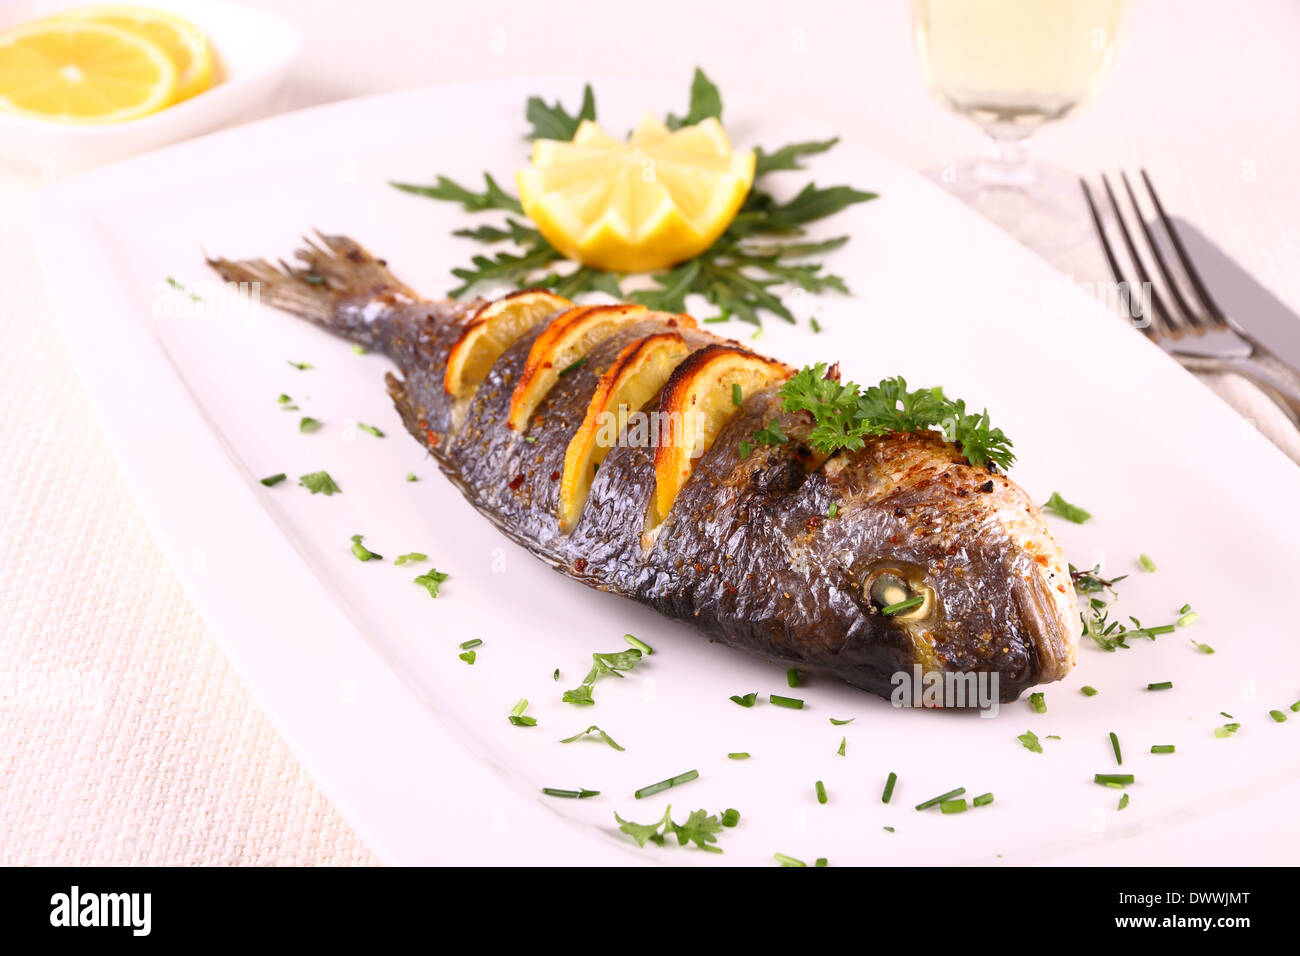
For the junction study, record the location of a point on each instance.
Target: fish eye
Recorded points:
(890, 587)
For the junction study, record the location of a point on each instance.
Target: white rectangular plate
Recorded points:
(359, 667)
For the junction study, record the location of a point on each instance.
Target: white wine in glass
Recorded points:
(1011, 66)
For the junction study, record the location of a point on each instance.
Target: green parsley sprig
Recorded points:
(701, 828)
(741, 274)
(844, 414)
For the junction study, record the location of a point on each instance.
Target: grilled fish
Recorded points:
(615, 443)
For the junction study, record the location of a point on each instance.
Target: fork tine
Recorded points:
(1115, 270)
(1188, 316)
(1166, 319)
(1213, 314)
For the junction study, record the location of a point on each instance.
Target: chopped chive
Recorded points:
(1184, 609)
(1123, 802)
(517, 715)
(841, 723)
(1227, 730)
(816, 326)
(843, 742)
(473, 642)
(1188, 618)
(821, 861)
(1146, 562)
(889, 787)
(530, 439)
(935, 801)
(1155, 631)
(1113, 779)
(1038, 701)
(738, 755)
(556, 675)
(312, 278)
(983, 800)
(1278, 716)
(1296, 706)
(362, 552)
(889, 610)
(792, 702)
(747, 700)
(1114, 745)
(639, 644)
(1088, 691)
(309, 424)
(572, 794)
(370, 429)
(833, 510)
(411, 476)
(469, 657)
(787, 860)
(360, 349)
(570, 369)
(715, 319)
(663, 785)
(411, 557)
(1053, 737)
(730, 817)
(272, 480)
(953, 806)
(737, 396)
(888, 829)
(792, 678)
(821, 792)
(1162, 748)
(1161, 685)
(300, 366)
(1203, 648)
(1224, 713)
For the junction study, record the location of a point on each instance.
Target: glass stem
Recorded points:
(1006, 161)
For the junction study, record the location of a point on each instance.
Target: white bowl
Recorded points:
(253, 49)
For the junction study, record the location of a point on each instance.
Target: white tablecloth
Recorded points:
(125, 737)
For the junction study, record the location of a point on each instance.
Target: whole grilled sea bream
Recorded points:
(541, 414)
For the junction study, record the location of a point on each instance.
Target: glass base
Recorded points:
(1042, 206)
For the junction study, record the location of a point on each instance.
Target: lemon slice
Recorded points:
(80, 71)
(492, 330)
(183, 42)
(638, 372)
(697, 402)
(659, 198)
(569, 337)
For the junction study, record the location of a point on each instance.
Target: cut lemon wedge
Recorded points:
(568, 339)
(697, 402)
(659, 198)
(635, 377)
(182, 42)
(491, 331)
(81, 71)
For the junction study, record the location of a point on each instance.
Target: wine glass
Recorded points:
(1012, 66)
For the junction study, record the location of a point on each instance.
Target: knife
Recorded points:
(1241, 297)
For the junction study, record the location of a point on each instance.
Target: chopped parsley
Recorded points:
(469, 657)
(362, 552)
(1063, 509)
(431, 581)
(320, 483)
(409, 558)
(1038, 701)
(602, 665)
(286, 403)
(1147, 565)
(1227, 730)
(593, 729)
(410, 476)
(1088, 690)
(1029, 740)
(701, 829)
(309, 425)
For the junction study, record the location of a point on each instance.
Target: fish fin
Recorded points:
(330, 285)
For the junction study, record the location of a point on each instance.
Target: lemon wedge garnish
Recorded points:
(80, 71)
(183, 42)
(650, 202)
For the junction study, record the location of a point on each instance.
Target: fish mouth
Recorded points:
(1049, 628)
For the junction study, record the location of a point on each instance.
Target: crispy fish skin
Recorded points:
(749, 554)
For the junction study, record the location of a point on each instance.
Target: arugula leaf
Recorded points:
(448, 190)
(580, 280)
(787, 157)
(503, 267)
(554, 122)
(593, 729)
(515, 231)
(706, 103)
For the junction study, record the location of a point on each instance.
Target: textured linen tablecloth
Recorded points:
(125, 737)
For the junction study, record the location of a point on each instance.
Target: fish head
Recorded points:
(951, 564)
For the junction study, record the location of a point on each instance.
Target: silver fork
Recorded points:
(1187, 324)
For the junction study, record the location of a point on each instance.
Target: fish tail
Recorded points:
(335, 284)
